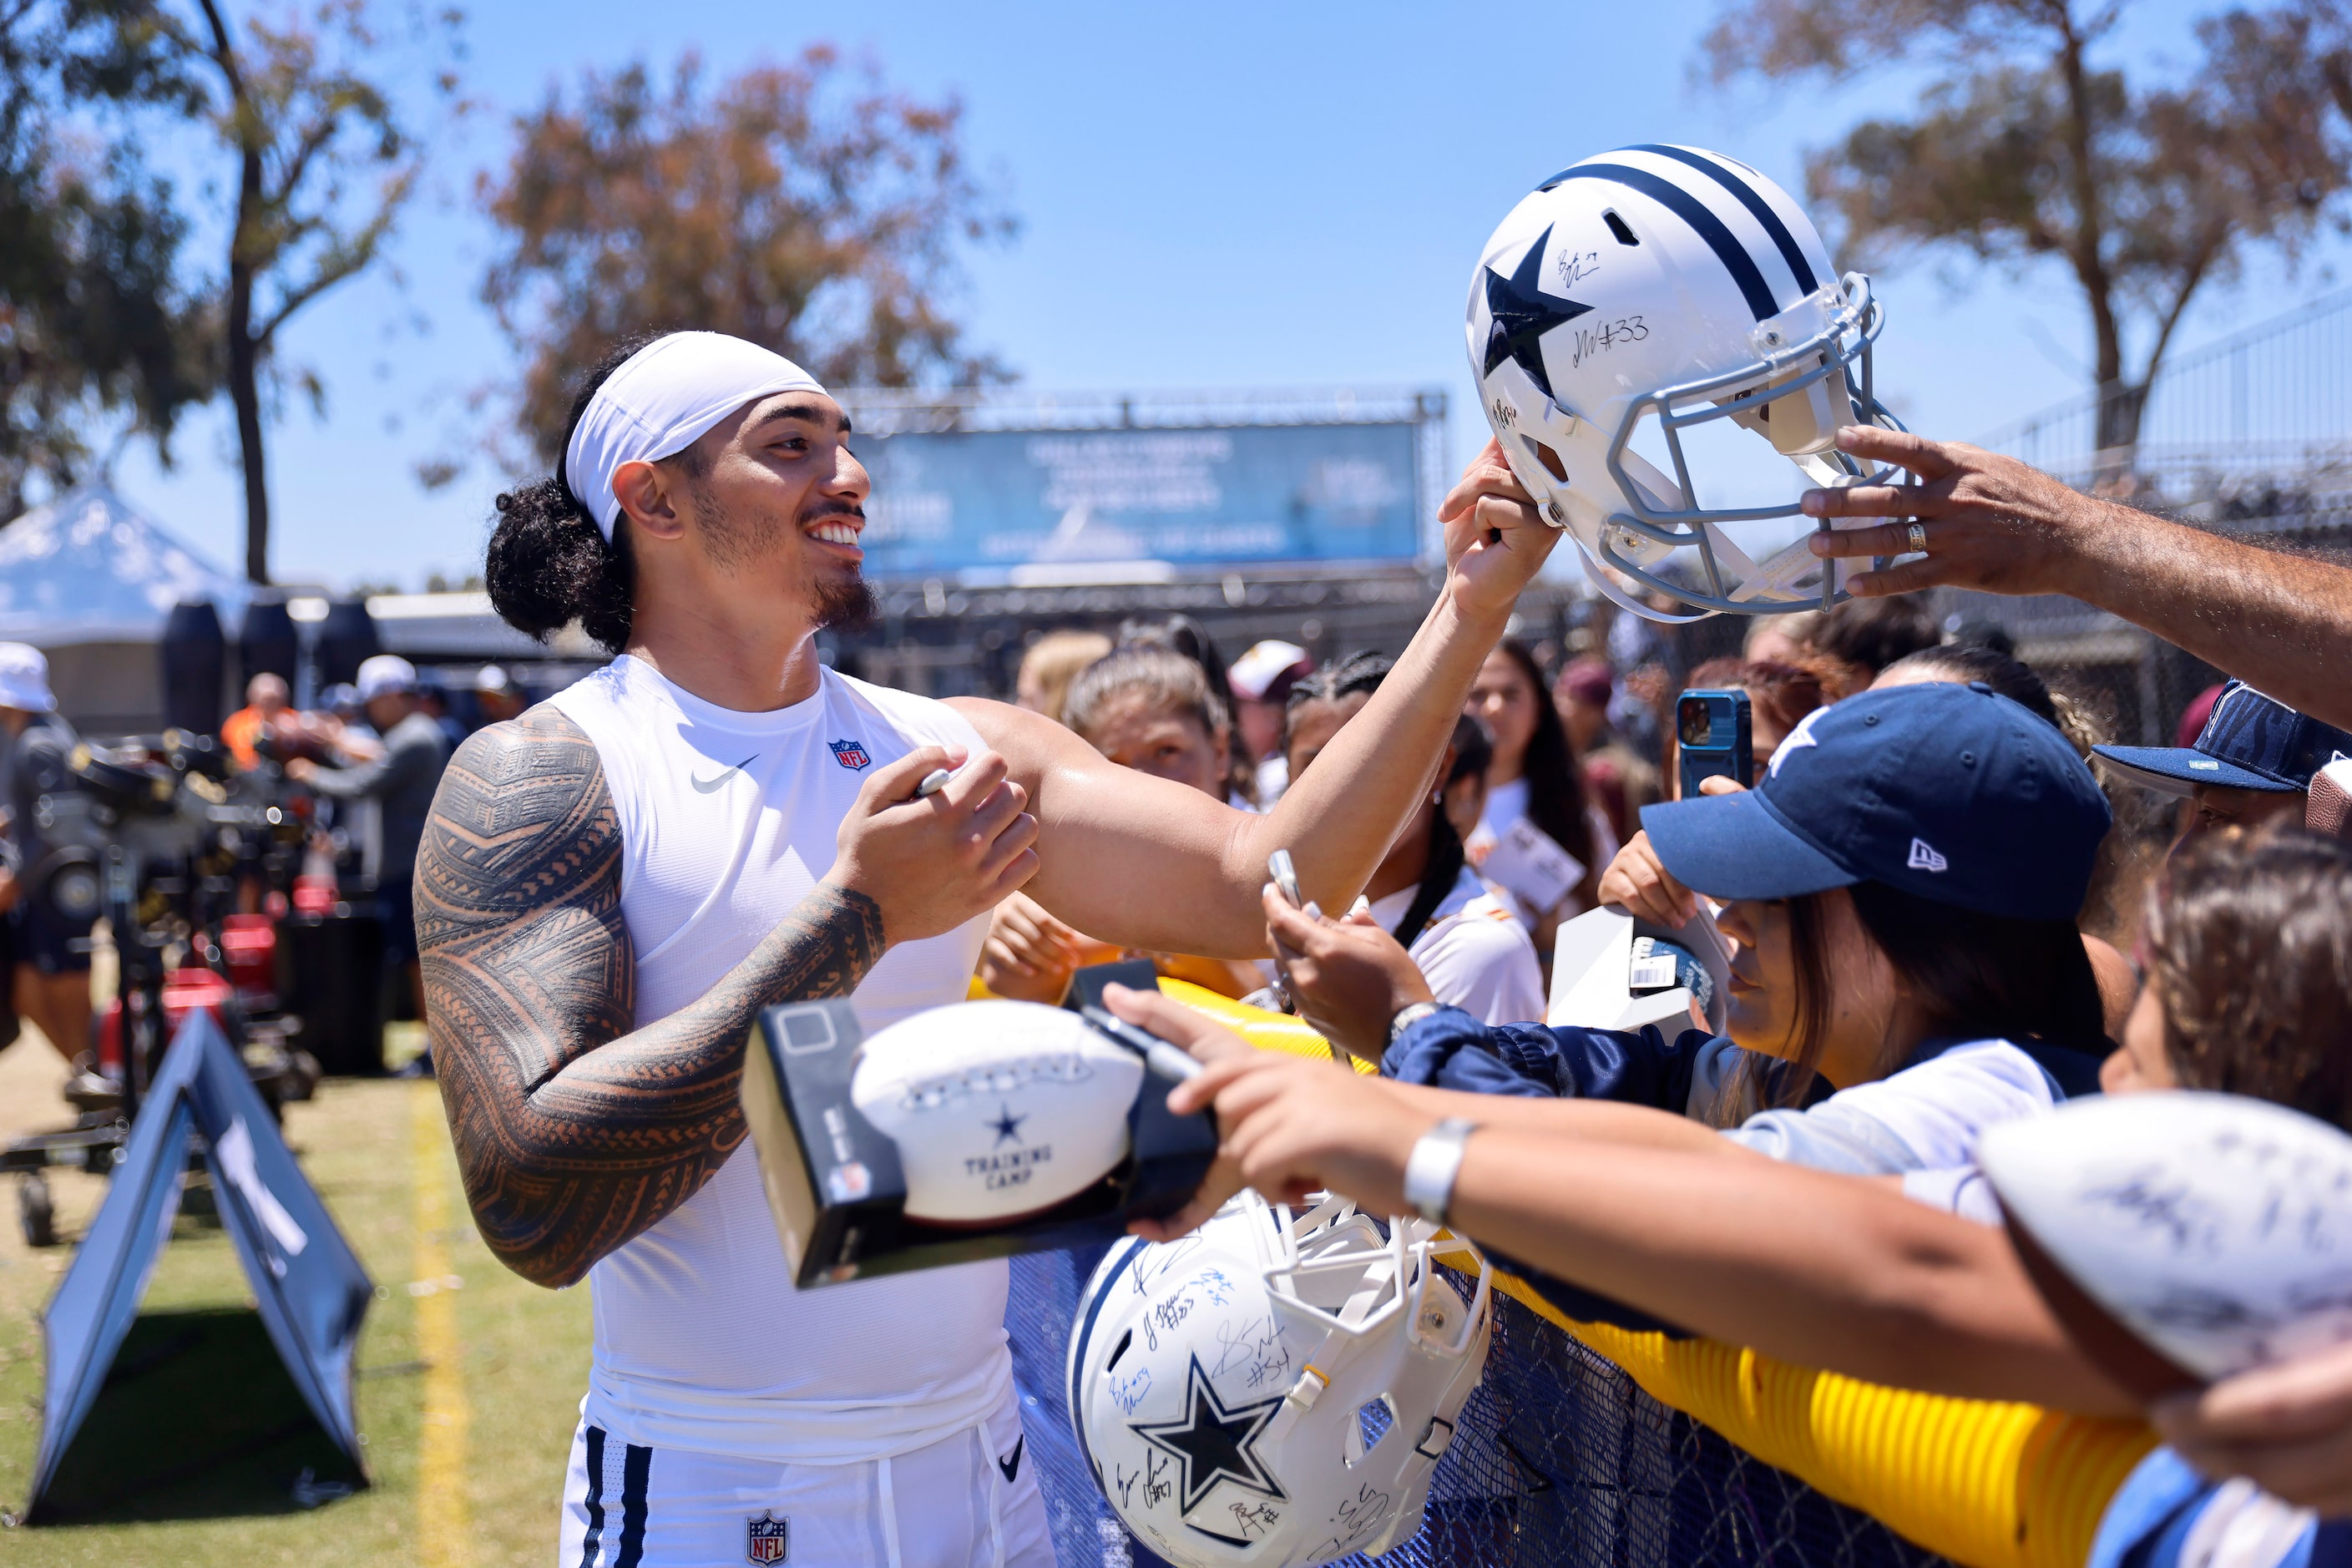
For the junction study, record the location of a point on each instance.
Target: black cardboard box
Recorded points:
(834, 1181)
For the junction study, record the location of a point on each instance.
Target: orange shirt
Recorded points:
(238, 733)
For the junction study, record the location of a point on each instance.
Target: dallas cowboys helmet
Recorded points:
(1274, 1389)
(1648, 291)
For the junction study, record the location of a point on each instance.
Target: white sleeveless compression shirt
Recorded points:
(701, 1341)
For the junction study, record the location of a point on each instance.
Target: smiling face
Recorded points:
(767, 505)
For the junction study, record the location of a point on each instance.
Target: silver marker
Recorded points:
(1165, 1057)
(933, 781)
(1278, 867)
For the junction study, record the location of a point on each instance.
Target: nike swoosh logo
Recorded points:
(707, 786)
(1012, 1466)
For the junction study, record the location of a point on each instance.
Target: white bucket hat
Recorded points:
(24, 679)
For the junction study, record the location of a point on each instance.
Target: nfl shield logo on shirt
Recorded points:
(850, 755)
(767, 1539)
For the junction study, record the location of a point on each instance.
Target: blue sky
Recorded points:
(1213, 194)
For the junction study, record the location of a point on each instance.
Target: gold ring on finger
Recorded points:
(1917, 538)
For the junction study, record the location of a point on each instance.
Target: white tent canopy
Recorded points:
(88, 568)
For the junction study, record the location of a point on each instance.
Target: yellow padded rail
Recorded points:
(1989, 1485)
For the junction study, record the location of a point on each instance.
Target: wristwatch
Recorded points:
(1407, 1016)
(1430, 1169)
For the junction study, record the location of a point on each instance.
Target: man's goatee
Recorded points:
(849, 606)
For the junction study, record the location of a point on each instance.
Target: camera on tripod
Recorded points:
(157, 834)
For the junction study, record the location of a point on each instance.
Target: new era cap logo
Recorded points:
(2207, 767)
(1923, 856)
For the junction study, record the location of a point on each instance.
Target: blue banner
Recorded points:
(978, 504)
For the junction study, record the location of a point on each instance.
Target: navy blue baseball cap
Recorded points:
(1951, 793)
(2250, 741)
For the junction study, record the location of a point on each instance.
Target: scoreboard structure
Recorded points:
(1010, 489)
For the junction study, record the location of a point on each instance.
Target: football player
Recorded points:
(615, 883)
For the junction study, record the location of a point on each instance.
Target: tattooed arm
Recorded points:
(575, 1130)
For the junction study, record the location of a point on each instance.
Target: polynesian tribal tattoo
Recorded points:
(576, 1131)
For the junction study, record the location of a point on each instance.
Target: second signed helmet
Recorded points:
(1276, 1388)
(1635, 297)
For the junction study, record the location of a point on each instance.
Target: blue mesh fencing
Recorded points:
(1561, 1459)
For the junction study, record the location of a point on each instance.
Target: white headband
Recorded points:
(662, 399)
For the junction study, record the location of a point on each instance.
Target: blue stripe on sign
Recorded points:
(1692, 211)
(637, 1464)
(595, 1500)
(1757, 208)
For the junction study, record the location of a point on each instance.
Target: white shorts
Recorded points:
(966, 1502)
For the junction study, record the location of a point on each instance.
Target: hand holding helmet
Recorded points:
(1984, 520)
(1496, 541)
(1655, 291)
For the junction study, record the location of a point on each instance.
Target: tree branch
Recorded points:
(2191, 279)
(343, 259)
(223, 52)
(307, 146)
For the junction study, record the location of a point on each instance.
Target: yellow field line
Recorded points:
(441, 1462)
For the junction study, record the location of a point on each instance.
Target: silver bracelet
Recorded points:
(1430, 1169)
(1407, 1016)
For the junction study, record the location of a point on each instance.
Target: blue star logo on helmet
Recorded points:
(850, 755)
(1214, 1443)
(1523, 313)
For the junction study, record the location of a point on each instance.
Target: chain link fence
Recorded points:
(1559, 1460)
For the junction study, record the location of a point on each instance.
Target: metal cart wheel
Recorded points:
(36, 1216)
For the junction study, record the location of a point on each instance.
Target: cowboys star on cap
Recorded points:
(1214, 1443)
(1523, 313)
(1797, 740)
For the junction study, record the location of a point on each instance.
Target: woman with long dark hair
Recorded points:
(2248, 993)
(1534, 779)
(1901, 885)
(1469, 950)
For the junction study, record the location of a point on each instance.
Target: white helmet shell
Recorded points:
(1274, 1389)
(1673, 286)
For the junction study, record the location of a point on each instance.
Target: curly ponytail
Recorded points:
(548, 567)
(548, 563)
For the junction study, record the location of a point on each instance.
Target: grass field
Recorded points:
(469, 1377)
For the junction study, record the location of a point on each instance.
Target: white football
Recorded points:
(2214, 1229)
(1000, 1110)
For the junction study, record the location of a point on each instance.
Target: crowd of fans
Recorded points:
(1938, 923)
(1538, 805)
(368, 757)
